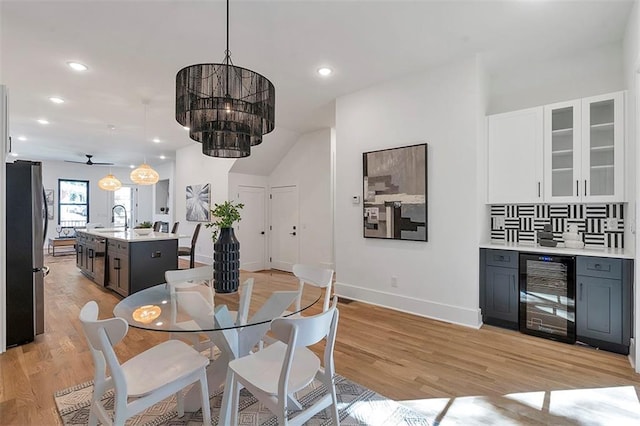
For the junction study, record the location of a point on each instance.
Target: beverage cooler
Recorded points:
(547, 296)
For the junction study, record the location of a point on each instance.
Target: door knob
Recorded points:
(262, 233)
(292, 233)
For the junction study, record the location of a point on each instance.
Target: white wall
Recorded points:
(194, 168)
(308, 166)
(166, 171)
(523, 85)
(438, 278)
(100, 201)
(631, 47)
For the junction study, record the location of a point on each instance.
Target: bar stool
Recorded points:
(191, 251)
(174, 230)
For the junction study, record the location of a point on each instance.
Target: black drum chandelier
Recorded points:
(225, 107)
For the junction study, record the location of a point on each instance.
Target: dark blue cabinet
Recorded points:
(599, 309)
(499, 288)
(603, 302)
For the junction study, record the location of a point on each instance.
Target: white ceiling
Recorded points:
(135, 48)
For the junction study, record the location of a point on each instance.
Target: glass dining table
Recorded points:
(234, 322)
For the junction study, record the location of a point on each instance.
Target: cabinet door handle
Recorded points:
(580, 296)
(156, 254)
(117, 267)
(513, 280)
(577, 188)
(585, 187)
(538, 189)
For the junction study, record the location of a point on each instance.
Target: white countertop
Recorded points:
(130, 235)
(559, 249)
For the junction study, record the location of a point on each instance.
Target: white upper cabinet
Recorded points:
(584, 150)
(568, 152)
(603, 148)
(562, 143)
(514, 160)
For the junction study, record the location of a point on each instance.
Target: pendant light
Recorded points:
(109, 182)
(226, 108)
(144, 174)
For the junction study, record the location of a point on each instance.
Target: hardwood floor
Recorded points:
(401, 356)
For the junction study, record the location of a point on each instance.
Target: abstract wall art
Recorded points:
(198, 199)
(48, 193)
(395, 193)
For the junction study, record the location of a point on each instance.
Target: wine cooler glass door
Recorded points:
(547, 296)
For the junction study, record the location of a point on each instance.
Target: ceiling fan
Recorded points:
(89, 162)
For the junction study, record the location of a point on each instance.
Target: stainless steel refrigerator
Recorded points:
(26, 231)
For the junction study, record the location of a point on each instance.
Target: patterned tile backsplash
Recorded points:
(601, 225)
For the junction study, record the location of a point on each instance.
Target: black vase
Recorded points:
(226, 262)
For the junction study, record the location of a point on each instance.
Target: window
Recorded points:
(124, 197)
(73, 208)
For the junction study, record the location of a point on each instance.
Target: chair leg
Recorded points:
(334, 398)
(180, 403)
(227, 399)
(235, 402)
(204, 393)
(99, 387)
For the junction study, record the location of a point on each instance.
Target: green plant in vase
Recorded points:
(224, 216)
(226, 247)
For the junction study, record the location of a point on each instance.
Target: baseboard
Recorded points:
(207, 260)
(632, 354)
(411, 305)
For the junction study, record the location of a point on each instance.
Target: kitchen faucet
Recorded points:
(113, 220)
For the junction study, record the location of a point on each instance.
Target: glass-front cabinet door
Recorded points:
(603, 156)
(584, 150)
(562, 151)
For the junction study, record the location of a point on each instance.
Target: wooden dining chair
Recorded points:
(156, 226)
(145, 379)
(174, 229)
(285, 367)
(191, 251)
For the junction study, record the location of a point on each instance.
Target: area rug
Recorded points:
(357, 406)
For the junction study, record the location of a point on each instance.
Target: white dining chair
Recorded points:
(184, 279)
(143, 380)
(200, 309)
(315, 276)
(286, 367)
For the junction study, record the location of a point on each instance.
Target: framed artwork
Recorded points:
(198, 199)
(395, 193)
(48, 194)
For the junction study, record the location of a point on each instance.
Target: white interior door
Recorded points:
(251, 229)
(284, 227)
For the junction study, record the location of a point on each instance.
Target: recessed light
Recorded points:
(43, 121)
(325, 71)
(22, 138)
(77, 66)
(156, 140)
(187, 128)
(14, 154)
(56, 100)
(131, 166)
(162, 157)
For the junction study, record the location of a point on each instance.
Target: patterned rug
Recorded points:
(357, 406)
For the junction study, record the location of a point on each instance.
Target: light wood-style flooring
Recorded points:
(458, 374)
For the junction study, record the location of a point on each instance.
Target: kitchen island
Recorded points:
(124, 261)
